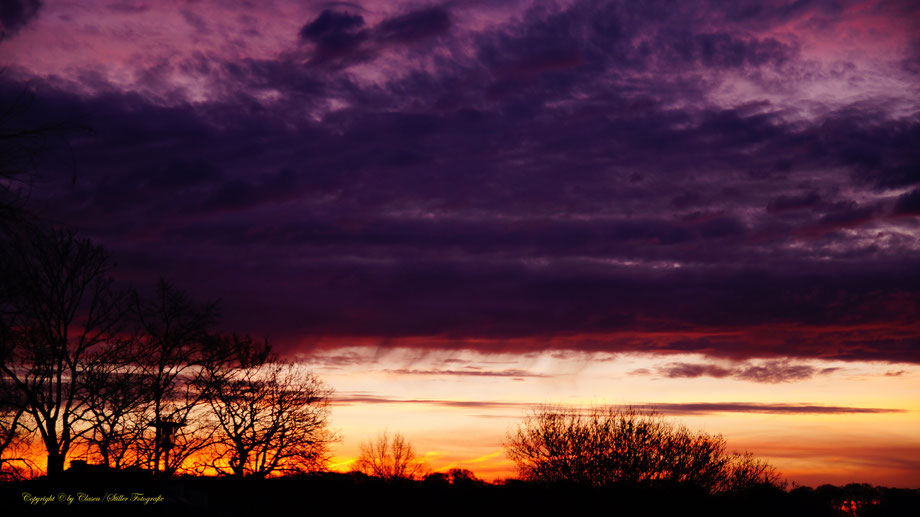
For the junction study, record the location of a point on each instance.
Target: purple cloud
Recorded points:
(416, 25)
(16, 14)
(608, 176)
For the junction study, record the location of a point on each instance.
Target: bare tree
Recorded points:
(115, 396)
(390, 458)
(173, 350)
(61, 306)
(604, 446)
(272, 416)
(14, 433)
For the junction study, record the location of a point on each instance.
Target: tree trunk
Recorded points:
(239, 470)
(55, 465)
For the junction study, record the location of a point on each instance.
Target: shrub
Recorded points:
(606, 446)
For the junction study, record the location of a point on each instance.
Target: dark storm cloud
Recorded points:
(343, 39)
(597, 38)
(882, 154)
(567, 184)
(794, 202)
(337, 35)
(416, 25)
(16, 14)
(331, 23)
(724, 50)
(909, 203)
(239, 194)
(178, 174)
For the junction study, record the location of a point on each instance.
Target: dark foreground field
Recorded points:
(120, 494)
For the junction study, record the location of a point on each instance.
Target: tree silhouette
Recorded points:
(390, 458)
(60, 307)
(173, 349)
(14, 433)
(272, 416)
(456, 476)
(606, 446)
(12, 402)
(116, 398)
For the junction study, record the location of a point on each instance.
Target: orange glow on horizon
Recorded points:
(456, 406)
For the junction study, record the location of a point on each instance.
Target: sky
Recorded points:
(457, 211)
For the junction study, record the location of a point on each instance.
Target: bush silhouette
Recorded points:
(607, 446)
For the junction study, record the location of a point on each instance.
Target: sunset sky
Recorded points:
(454, 212)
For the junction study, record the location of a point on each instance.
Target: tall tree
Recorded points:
(60, 306)
(173, 349)
(271, 416)
(117, 402)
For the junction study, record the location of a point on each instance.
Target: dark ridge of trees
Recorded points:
(610, 446)
(229, 496)
(462, 477)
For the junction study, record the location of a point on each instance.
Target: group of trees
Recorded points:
(393, 458)
(132, 381)
(135, 381)
(608, 446)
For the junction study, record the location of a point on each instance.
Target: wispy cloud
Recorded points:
(766, 372)
(472, 372)
(745, 407)
(688, 408)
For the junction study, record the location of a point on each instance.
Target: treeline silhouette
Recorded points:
(438, 493)
(142, 382)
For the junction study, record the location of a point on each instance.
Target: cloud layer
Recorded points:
(689, 408)
(771, 372)
(613, 176)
